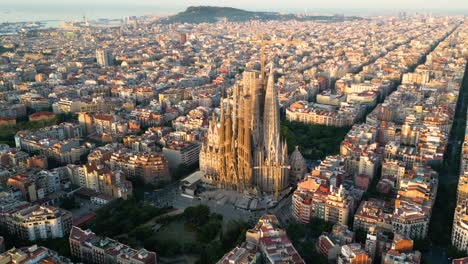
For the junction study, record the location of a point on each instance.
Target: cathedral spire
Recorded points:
(221, 117)
(246, 152)
(271, 122)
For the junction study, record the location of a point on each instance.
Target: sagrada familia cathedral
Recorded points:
(243, 150)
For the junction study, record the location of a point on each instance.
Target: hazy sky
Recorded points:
(262, 4)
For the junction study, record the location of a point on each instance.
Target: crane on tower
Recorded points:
(263, 42)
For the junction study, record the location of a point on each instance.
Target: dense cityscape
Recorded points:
(219, 135)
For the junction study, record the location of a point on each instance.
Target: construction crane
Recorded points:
(276, 168)
(261, 40)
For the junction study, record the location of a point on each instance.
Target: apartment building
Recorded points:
(90, 248)
(37, 222)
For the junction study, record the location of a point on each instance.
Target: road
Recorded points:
(457, 134)
(438, 254)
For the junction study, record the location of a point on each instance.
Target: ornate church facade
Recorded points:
(243, 150)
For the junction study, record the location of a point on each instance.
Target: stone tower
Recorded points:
(243, 150)
(298, 165)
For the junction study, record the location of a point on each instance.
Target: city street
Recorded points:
(438, 254)
(160, 132)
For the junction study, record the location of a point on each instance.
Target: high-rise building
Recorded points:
(104, 57)
(183, 38)
(243, 150)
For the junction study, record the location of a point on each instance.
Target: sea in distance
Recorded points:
(54, 14)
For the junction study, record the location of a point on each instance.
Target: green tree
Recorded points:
(69, 203)
(122, 215)
(296, 231)
(197, 215)
(234, 234)
(317, 226)
(314, 141)
(209, 231)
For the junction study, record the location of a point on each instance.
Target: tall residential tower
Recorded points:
(104, 57)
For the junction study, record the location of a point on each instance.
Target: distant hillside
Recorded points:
(211, 14)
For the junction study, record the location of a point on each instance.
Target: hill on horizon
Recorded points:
(212, 14)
